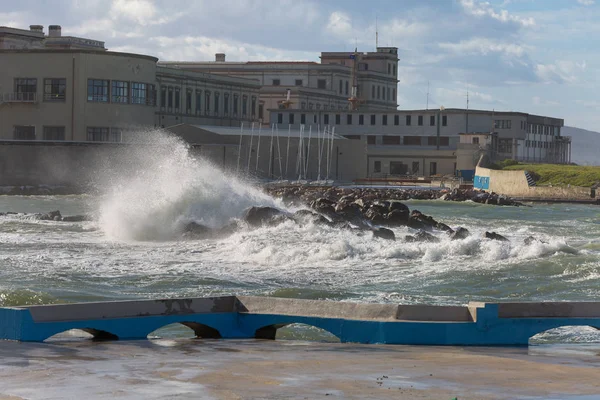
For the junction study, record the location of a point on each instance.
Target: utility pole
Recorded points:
(467, 122)
(437, 138)
(427, 104)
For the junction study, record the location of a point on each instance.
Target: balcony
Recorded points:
(24, 97)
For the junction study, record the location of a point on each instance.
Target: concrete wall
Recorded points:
(514, 184)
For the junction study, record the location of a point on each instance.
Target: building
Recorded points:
(55, 87)
(444, 141)
(323, 86)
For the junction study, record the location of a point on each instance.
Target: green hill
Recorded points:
(560, 175)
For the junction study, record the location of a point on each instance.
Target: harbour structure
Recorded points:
(439, 141)
(245, 317)
(341, 81)
(65, 88)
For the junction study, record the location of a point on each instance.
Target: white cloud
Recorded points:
(485, 9)
(340, 24)
(538, 101)
(587, 2)
(140, 11)
(483, 46)
(560, 72)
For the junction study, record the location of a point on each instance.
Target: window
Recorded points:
(97, 134)
(363, 67)
(188, 101)
(337, 119)
(444, 120)
(361, 119)
(170, 98)
(340, 91)
(390, 140)
(398, 168)
(280, 118)
(383, 94)
(119, 92)
(349, 119)
(352, 137)
(393, 95)
(226, 104)
(475, 140)
(26, 89)
(139, 93)
(151, 95)
(389, 93)
(298, 82)
(502, 124)
(505, 145)
(420, 120)
(216, 107)
(115, 134)
(384, 119)
(326, 119)
(378, 92)
(290, 118)
(244, 105)
(432, 120)
(303, 119)
(177, 99)
(432, 168)
(415, 167)
(372, 92)
(163, 96)
(253, 105)
(321, 84)
(198, 105)
(261, 108)
(389, 69)
(235, 104)
(98, 90)
(526, 143)
(347, 88)
(412, 140)
(396, 120)
(372, 119)
(55, 89)
(276, 82)
(408, 120)
(315, 119)
(311, 106)
(432, 141)
(206, 102)
(377, 166)
(22, 132)
(395, 74)
(54, 133)
(371, 139)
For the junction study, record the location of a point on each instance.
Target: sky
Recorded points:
(534, 56)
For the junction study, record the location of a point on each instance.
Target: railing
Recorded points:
(24, 97)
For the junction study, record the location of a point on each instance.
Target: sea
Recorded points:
(133, 248)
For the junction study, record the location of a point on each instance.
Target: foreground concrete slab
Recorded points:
(241, 317)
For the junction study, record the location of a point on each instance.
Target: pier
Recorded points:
(245, 317)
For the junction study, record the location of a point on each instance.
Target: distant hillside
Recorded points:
(585, 148)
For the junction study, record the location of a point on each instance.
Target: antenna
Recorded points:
(376, 35)
(427, 106)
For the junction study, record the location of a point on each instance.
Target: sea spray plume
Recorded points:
(154, 187)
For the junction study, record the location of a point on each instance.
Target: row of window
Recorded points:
(404, 140)
(382, 93)
(198, 102)
(361, 119)
(537, 144)
(94, 134)
(54, 89)
(542, 129)
(399, 168)
(121, 92)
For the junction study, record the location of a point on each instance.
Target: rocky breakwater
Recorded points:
(48, 216)
(301, 194)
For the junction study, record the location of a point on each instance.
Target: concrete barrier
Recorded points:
(259, 317)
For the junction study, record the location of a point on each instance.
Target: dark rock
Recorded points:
(258, 216)
(422, 236)
(195, 229)
(309, 216)
(384, 233)
(76, 218)
(374, 216)
(495, 236)
(51, 216)
(397, 217)
(459, 233)
(530, 240)
(396, 205)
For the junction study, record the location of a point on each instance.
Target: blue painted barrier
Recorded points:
(481, 182)
(260, 317)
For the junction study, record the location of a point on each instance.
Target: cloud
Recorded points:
(587, 2)
(560, 72)
(483, 46)
(538, 101)
(340, 24)
(485, 9)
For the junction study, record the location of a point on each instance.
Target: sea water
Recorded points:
(133, 247)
